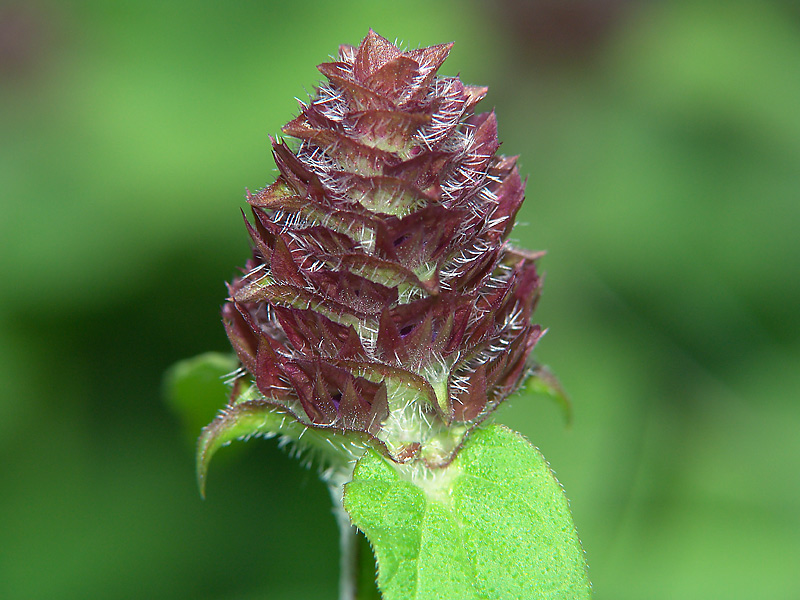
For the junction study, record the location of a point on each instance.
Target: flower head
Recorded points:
(382, 296)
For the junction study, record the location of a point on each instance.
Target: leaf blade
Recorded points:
(195, 388)
(493, 525)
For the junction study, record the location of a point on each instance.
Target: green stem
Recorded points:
(348, 550)
(356, 562)
(367, 581)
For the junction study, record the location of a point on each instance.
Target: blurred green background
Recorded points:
(662, 141)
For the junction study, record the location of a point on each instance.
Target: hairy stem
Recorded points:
(356, 562)
(367, 581)
(348, 549)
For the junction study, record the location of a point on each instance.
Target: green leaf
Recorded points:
(543, 381)
(493, 525)
(195, 389)
(250, 415)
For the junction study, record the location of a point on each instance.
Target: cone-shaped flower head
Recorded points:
(382, 296)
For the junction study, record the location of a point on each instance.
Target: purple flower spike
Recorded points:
(382, 297)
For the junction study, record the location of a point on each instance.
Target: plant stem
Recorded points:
(356, 563)
(367, 580)
(348, 551)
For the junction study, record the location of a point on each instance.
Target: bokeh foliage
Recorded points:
(664, 167)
